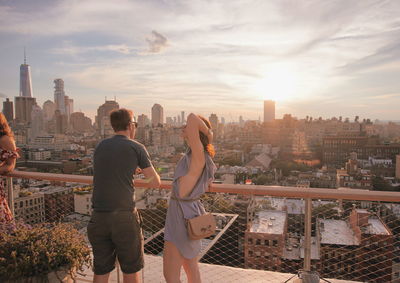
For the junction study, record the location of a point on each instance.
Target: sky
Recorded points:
(314, 57)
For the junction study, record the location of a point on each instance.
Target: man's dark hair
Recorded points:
(120, 119)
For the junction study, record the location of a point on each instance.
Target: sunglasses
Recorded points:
(134, 123)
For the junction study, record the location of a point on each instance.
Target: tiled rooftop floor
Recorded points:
(210, 273)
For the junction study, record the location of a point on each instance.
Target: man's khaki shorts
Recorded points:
(114, 235)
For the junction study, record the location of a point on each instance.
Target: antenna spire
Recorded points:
(24, 55)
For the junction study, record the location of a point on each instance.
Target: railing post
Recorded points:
(10, 194)
(307, 236)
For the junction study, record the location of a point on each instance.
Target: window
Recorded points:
(275, 243)
(250, 241)
(266, 243)
(258, 242)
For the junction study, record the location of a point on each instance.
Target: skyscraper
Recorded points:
(157, 115)
(69, 106)
(214, 124)
(103, 117)
(8, 110)
(23, 108)
(61, 123)
(37, 125)
(49, 108)
(269, 110)
(25, 81)
(59, 95)
(80, 123)
(183, 117)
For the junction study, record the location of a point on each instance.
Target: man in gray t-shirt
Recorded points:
(115, 227)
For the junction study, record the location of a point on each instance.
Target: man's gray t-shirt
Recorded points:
(115, 161)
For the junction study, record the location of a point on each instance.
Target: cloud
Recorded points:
(218, 49)
(157, 42)
(384, 96)
(75, 50)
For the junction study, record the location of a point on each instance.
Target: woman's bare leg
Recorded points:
(172, 261)
(191, 267)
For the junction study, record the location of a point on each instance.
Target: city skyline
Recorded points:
(343, 61)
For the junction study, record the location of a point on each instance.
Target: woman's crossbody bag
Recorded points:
(199, 227)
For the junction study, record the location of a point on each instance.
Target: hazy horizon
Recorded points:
(315, 58)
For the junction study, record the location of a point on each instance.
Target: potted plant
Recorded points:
(42, 253)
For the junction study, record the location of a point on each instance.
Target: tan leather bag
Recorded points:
(201, 227)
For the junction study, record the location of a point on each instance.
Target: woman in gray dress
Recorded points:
(193, 175)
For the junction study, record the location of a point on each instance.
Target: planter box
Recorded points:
(61, 276)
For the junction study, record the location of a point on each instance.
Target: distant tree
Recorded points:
(261, 180)
(380, 184)
(356, 119)
(216, 203)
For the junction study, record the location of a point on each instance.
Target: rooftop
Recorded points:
(269, 221)
(336, 232)
(153, 272)
(376, 227)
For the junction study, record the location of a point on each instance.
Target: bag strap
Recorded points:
(181, 199)
(188, 200)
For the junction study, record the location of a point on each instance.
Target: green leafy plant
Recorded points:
(34, 251)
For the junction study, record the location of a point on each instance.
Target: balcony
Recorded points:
(327, 231)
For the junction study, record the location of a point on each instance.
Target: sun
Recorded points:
(279, 83)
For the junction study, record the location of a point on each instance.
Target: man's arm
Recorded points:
(151, 177)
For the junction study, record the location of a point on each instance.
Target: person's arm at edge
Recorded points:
(8, 144)
(151, 177)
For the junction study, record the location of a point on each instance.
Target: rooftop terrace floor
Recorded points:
(210, 273)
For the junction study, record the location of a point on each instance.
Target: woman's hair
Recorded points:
(204, 139)
(5, 129)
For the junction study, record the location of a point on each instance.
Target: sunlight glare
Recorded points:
(279, 83)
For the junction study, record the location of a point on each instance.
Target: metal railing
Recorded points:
(343, 234)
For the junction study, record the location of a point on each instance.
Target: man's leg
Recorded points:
(132, 277)
(128, 240)
(102, 247)
(101, 278)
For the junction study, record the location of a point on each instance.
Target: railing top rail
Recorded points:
(278, 191)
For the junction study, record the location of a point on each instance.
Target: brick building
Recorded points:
(58, 201)
(265, 240)
(29, 207)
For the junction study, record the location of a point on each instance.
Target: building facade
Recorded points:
(269, 110)
(157, 115)
(25, 80)
(29, 207)
(23, 108)
(59, 95)
(8, 110)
